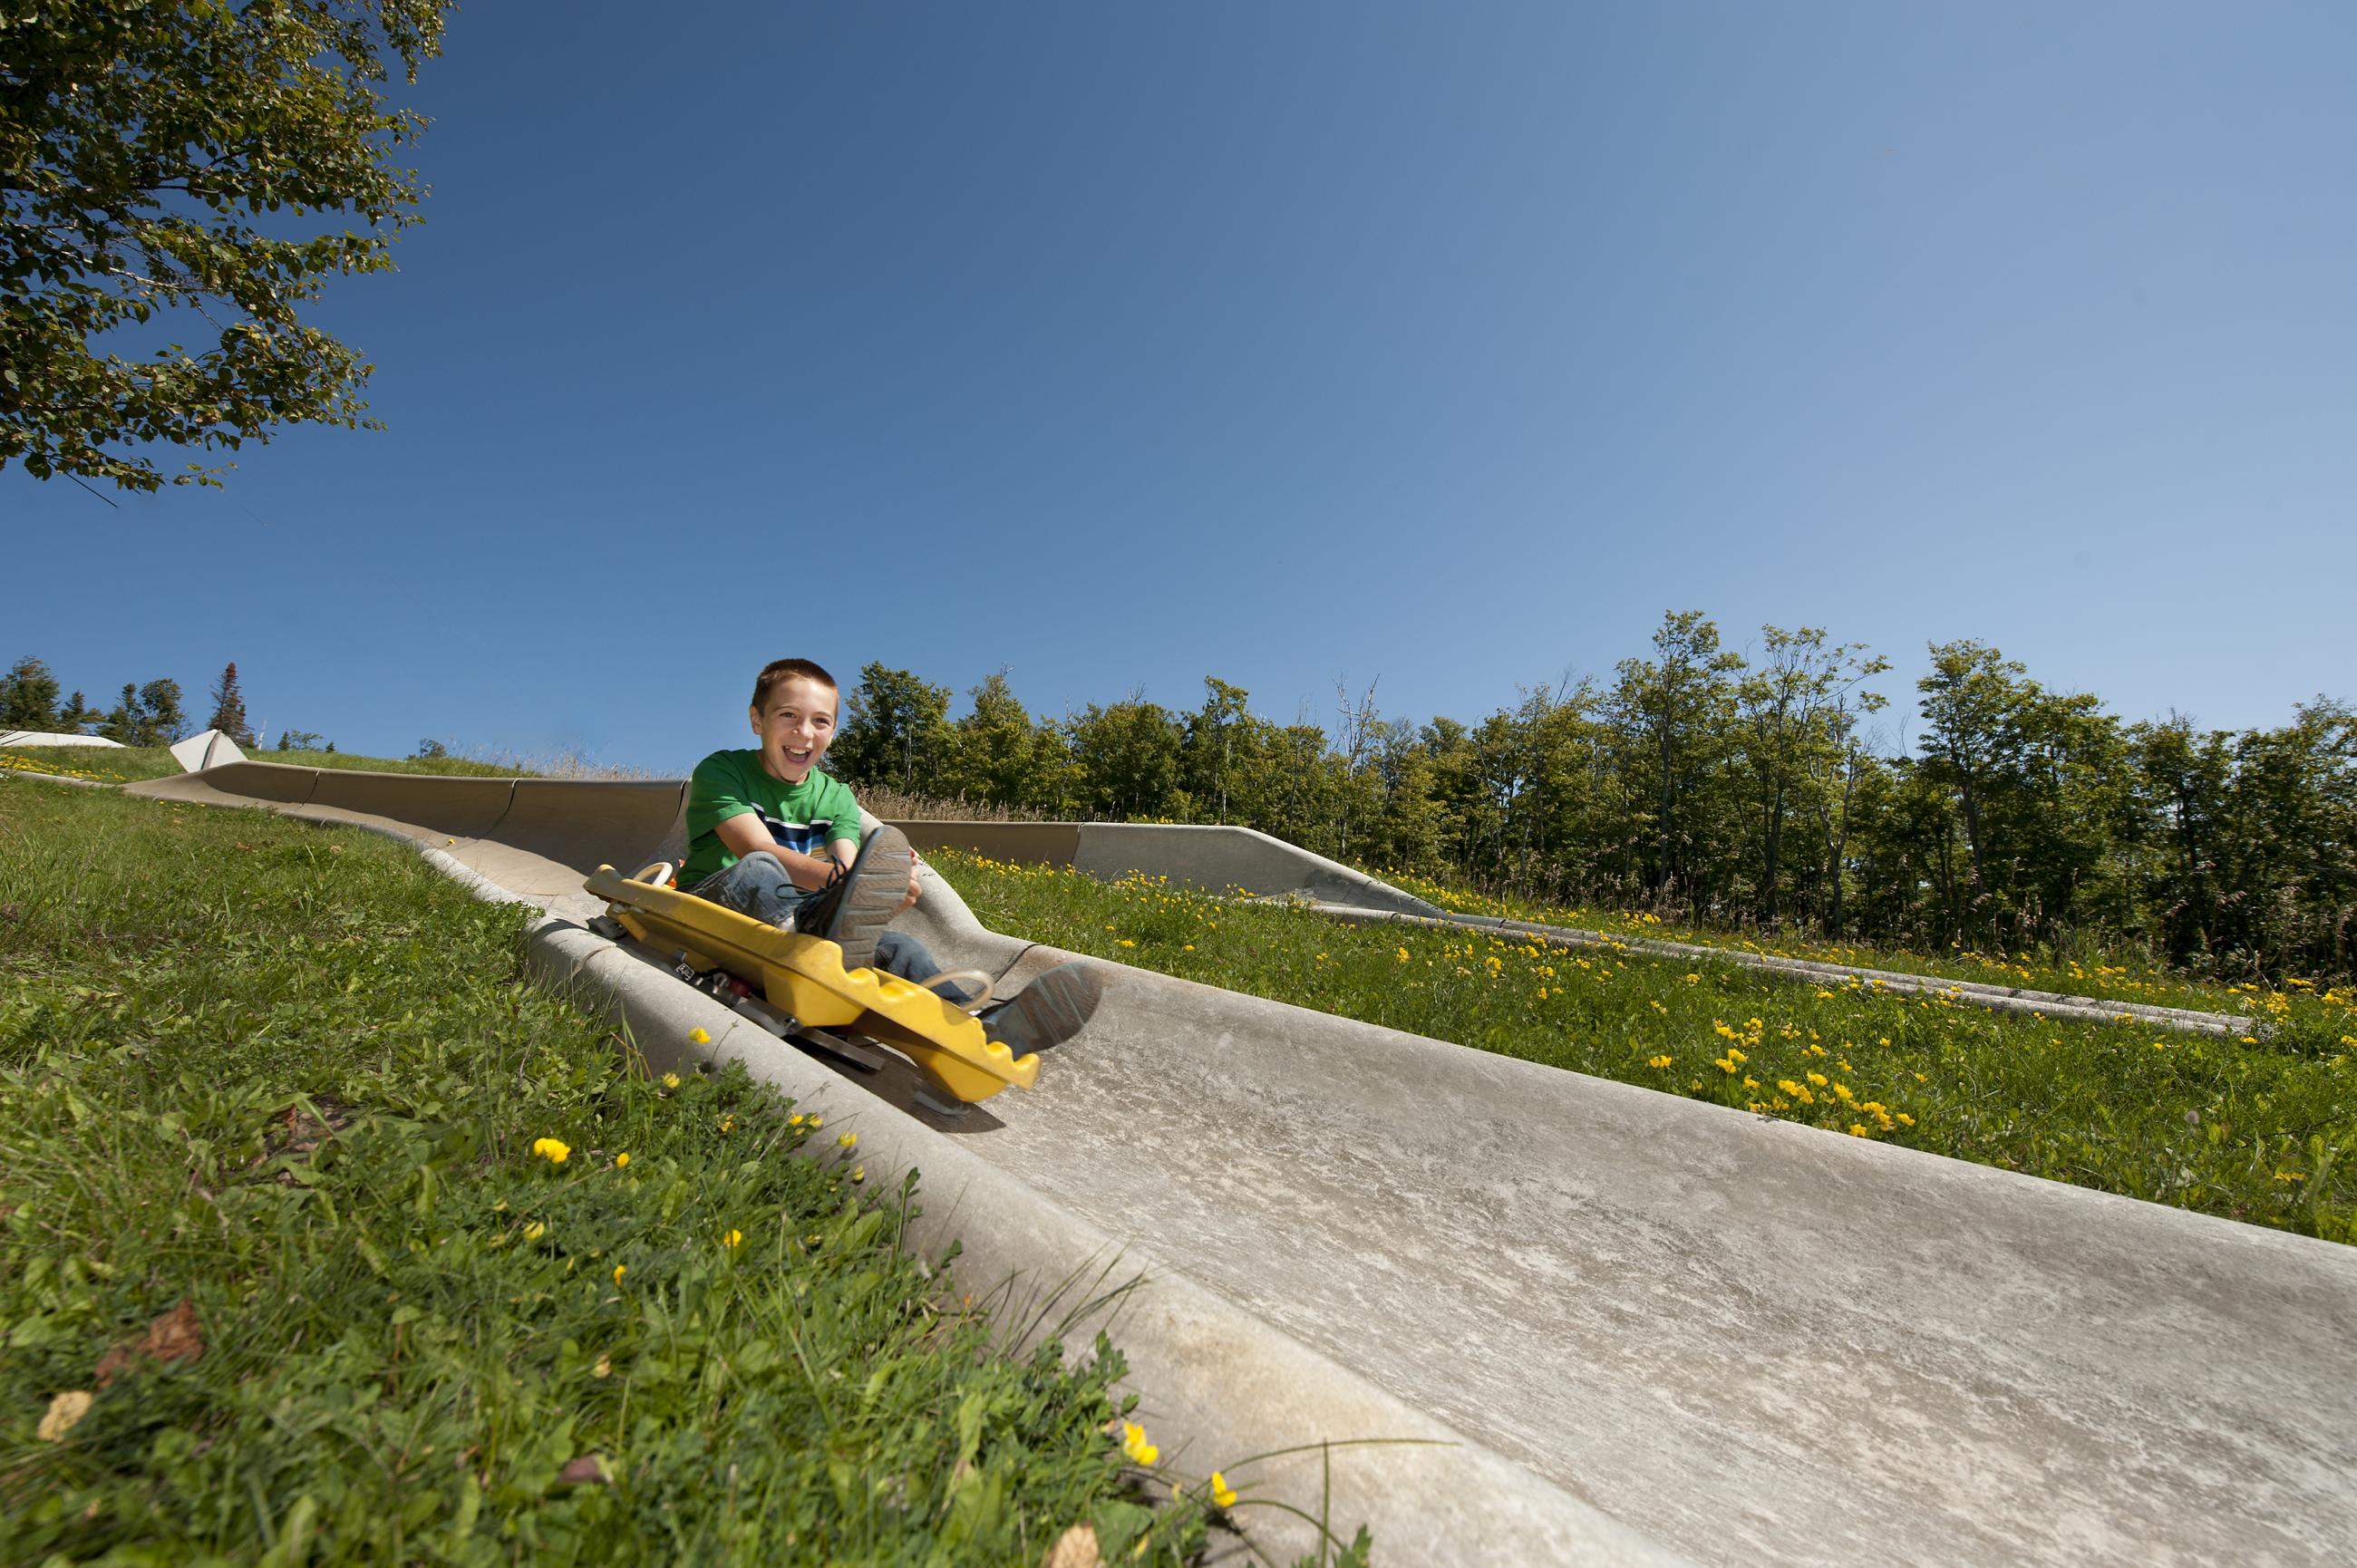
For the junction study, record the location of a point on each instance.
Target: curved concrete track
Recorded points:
(1743, 1340)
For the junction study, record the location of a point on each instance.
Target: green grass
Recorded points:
(2131, 980)
(2262, 1131)
(119, 764)
(287, 1075)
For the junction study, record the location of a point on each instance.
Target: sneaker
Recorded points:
(1048, 1012)
(859, 904)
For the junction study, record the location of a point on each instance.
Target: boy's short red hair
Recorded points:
(779, 670)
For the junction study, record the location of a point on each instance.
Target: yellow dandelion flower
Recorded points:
(699, 1036)
(1401, 954)
(535, 1232)
(847, 1141)
(621, 1162)
(671, 1080)
(732, 1239)
(860, 1173)
(1221, 1493)
(728, 1123)
(1659, 1061)
(620, 1270)
(554, 1150)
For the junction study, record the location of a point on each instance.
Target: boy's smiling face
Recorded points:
(795, 727)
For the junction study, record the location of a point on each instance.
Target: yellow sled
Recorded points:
(806, 985)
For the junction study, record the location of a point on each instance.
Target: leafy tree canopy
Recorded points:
(217, 157)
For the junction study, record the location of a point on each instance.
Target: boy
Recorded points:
(771, 836)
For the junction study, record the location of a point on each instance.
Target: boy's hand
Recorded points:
(915, 886)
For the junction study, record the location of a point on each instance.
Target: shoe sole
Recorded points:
(871, 894)
(1051, 1009)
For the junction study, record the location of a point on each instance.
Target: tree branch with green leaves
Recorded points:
(219, 159)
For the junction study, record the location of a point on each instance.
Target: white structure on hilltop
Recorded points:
(209, 749)
(40, 737)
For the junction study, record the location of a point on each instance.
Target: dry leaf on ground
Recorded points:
(175, 1335)
(67, 1410)
(577, 1472)
(1076, 1548)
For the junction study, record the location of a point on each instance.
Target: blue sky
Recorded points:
(1445, 347)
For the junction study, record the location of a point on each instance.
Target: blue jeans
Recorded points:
(757, 885)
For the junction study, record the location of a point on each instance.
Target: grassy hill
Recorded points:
(323, 1238)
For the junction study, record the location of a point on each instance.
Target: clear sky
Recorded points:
(1444, 345)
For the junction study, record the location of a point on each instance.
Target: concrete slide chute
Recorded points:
(1666, 1331)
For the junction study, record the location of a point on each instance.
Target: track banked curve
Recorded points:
(1736, 1340)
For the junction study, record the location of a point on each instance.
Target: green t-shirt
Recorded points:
(730, 783)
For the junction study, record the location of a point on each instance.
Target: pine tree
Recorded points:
(127, 721)
(229, 709)
(29, 697)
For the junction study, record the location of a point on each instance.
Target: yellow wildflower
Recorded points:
(535, 1232)
(732, 1239)
(671, 1080)
(1659, 1061)
(620, 1270)
(699, 1036)
(555, 1150)
(621, 1162)
(847, 1141)
(1401, 955)
(1133, 1443)
(1694, 980)
(1221, 1493)
(860, 1173)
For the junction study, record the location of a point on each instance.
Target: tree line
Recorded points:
(146, 712)
(1743, 790)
